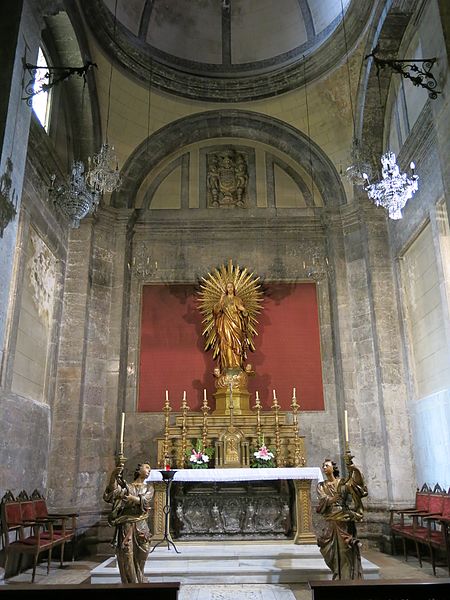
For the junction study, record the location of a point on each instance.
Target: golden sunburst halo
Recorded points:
(246, 285)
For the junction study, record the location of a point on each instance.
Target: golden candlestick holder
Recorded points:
(205, 410)
(184, 410)
(276, 407)
(257, 407)
(299, 460)
(121, 460)
(166, 445)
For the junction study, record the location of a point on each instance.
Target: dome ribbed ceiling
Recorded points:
(225, 49)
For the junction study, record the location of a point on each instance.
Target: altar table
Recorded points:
(301, 476)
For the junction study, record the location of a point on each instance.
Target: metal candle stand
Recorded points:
(167, 478)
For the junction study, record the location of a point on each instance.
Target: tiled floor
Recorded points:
(391, 567)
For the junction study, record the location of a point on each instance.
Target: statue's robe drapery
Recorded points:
(340, 504)
(132, 535)
(231, 327)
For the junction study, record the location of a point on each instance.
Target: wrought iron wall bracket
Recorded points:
(53, 75)
(417, 70)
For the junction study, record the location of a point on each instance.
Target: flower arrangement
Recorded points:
(199, 457)
(263, 457)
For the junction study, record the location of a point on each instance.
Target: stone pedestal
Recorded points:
(240, 402)
(232, 393)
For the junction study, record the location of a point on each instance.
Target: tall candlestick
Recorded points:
(122, 429)
(346, 425)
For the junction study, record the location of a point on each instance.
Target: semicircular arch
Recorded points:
(240, 124)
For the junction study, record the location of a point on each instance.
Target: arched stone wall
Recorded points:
(241, 124)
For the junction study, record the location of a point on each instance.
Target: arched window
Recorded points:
(41, 101)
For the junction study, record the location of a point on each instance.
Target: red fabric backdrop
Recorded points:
(287, 348)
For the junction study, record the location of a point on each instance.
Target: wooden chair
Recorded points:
(438, 533)
(409, 523)
(28, 538)
(30, 516)
(65, 523)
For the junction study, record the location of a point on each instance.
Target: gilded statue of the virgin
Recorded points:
(230, 299)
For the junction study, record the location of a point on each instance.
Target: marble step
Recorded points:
(231, 563)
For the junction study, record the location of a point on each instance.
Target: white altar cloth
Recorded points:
(213, 475)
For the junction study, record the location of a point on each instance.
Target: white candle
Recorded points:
(204, 395)
(122, 429)
(346, 425)
(167, 395)
(184, 396)
(293, 393)
(274, 396)
(257, 395)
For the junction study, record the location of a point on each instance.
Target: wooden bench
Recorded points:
(28, 529)
(427, 523)
(61, 521)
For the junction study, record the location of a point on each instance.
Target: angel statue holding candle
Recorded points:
(131, 503)
(230, 299)
(340, 503)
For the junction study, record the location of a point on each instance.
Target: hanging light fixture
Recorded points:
(74, 197)
(143, 264)
(394, 189)
(103, 170)
(359, 163)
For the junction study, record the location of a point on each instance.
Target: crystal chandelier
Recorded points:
(74, 197)
(103, 171)
(359, 166)
(394, 190)
(359, 163)
(143, 264)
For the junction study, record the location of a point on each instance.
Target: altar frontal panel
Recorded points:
(172, 355)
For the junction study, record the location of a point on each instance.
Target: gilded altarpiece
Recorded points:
(229, 302)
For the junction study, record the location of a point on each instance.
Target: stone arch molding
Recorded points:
(243, 125)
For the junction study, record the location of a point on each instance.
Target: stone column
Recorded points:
(20, 35)
(376, 400)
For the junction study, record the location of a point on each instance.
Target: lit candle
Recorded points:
(167, 395)
(293, 393)
(346, 425)
(184, 396)
(257, 396)
(204, 395)
(274, 395)
(122, 429)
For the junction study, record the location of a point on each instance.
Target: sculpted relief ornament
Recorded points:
(42, 276)
(227, 179)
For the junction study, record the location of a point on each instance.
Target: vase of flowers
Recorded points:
(199, 457)
(263, 457)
